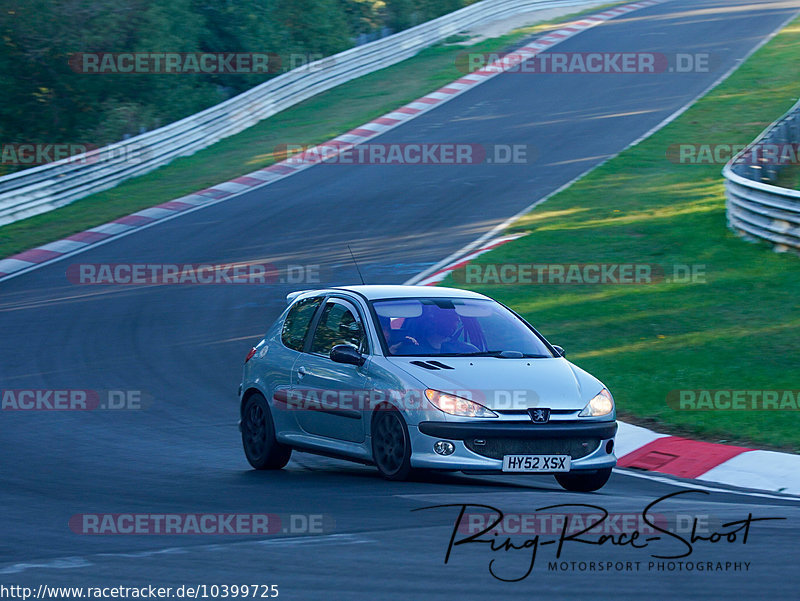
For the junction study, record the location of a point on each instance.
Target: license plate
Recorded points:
(536, 463)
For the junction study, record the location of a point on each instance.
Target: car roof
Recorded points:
(374, 292)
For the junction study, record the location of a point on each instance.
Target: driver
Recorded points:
(437, 334)
(391, 342)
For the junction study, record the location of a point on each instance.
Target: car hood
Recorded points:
(505, 384)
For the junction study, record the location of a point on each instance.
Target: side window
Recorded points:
(338, 325)
(295, 326)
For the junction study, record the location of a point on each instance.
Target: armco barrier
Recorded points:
(47, 187)
(757, 208)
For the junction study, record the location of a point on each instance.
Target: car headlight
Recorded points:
(602, 404)
(455, 405)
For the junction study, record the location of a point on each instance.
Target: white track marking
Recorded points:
(697, 486)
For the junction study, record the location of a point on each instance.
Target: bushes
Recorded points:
(46, 101)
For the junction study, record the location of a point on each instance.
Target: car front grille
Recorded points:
(495, 448)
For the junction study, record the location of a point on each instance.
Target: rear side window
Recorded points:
(295, 326)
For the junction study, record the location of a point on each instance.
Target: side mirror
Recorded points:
(344, 353)
(561, 352)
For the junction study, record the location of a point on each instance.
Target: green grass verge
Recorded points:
(739, 330)
(316, 120)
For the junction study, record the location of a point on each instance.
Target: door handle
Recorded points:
(301, 371)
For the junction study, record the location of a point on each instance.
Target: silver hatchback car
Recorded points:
(416, 378)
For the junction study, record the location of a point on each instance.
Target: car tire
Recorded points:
(580, 481)
(261, 448)
(391, 445)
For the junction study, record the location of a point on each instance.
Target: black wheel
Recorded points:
(263, 452)
(587, 481)
(391, 446)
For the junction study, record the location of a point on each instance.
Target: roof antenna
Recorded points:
(356, 264)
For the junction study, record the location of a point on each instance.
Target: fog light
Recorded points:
(609, 446)
(444, 447)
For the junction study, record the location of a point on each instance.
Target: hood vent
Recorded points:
(431, 365)
(440, 364)
(425, 365)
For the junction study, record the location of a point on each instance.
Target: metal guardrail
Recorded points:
(757, 208)
(47, 187)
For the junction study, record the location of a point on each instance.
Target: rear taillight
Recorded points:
(250, 354)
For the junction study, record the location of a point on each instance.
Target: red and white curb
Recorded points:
(54, 251)
(642, 449)
(638, 448)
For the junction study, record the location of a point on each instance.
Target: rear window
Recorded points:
(295, 326)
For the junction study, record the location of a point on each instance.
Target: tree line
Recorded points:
(47, 98)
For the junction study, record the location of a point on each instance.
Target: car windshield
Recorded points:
(455, 327)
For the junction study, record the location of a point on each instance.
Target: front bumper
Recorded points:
(480, 446)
